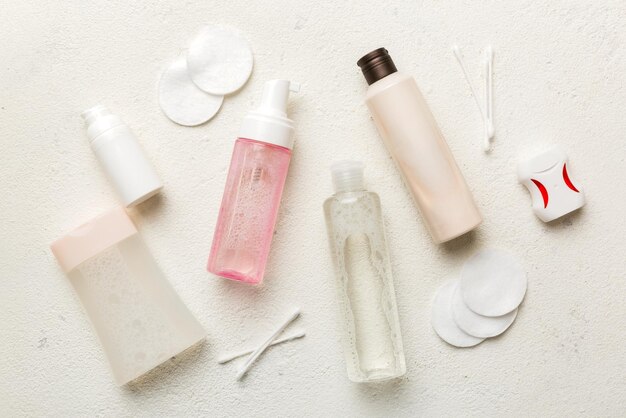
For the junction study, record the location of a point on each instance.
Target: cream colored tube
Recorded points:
(140, 320)
(420, 151)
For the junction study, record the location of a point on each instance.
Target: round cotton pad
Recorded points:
(492, 282)
(219, 59)
(442, 320)
(478, 325)
(181, 100)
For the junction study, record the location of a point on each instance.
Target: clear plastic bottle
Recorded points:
(253, 190)
(373, 343)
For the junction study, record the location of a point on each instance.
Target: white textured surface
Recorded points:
(559, 78)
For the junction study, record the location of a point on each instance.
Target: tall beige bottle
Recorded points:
(416, 144)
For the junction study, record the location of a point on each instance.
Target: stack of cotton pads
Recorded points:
(483, 302)
(218, 62)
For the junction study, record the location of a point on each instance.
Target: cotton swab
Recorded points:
(486, 111)
(489, 57)
(459, 57)
(233, 356)
(246, 366)
(489, 128)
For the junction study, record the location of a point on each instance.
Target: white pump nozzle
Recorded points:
(269, 123)
(275, 95)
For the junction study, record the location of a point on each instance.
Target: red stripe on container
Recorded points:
(543, 190)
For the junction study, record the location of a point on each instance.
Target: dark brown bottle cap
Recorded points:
(376, 65)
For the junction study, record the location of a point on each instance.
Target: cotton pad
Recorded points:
(181, 100)
(443, 322)
(478, 325)
(219, 59)
(492, 282)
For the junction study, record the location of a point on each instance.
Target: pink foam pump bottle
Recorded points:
(254, 186)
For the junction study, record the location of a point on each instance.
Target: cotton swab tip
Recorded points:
(491, 131)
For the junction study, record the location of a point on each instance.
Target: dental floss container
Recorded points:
(553, 191)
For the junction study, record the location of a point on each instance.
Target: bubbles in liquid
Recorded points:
(132, 327)
(249, 209)
(367, 299)
(365, 294)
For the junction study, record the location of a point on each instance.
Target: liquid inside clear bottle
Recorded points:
(372, 342)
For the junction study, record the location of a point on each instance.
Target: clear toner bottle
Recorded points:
(372, 343)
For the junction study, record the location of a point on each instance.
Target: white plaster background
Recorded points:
(559, 78)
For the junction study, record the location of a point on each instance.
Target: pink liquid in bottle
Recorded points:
(245, 226)
(257, 174)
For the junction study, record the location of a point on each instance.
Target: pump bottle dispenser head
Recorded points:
(275, 95)
(269, 122)
(120, 155)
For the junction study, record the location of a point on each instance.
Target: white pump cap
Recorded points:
(122, 158)
(347, 176)
(269, 123)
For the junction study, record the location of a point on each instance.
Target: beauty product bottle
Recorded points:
(121, 156)
(416, 144)
(140, 320)
(372, 343)
(254, 186)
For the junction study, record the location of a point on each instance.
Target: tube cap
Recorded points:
(92, 237)
(376, 65)
(269, 122)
